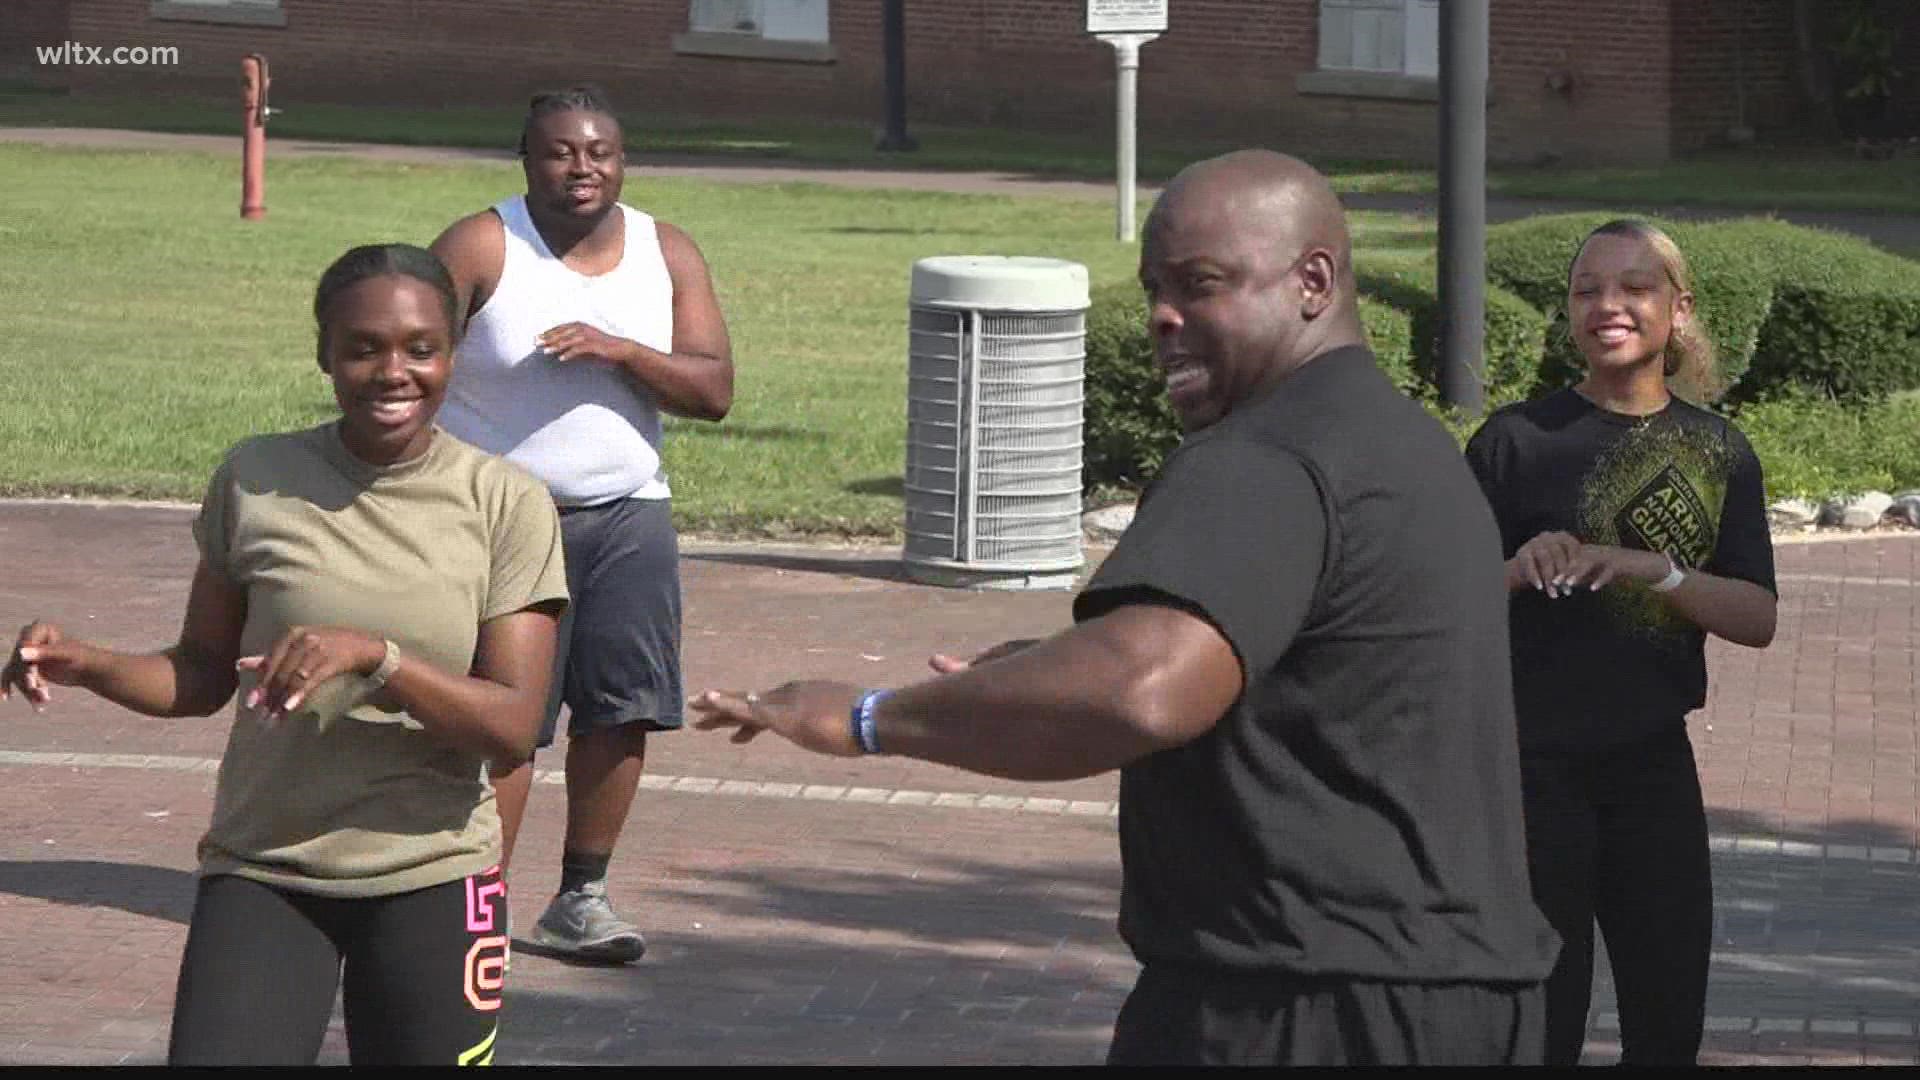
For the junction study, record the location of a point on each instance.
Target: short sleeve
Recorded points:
(1744, 548)
(528, 564)
(1486, 456)
(1234, 532)
(213, 527)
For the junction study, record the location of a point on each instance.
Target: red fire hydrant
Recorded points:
(253, 153)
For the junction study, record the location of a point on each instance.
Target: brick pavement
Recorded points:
(807, 910)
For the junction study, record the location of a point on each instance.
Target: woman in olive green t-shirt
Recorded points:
(385, 597)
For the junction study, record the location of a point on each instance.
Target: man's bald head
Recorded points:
(1248, 267)
(1275, 195)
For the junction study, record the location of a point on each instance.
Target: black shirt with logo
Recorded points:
(1599, 669)
(1356, 813)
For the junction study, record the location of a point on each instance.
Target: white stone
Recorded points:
(1108, 522)
(1793, 512)
(1867, 510)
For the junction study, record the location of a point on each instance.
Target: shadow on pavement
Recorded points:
(154, 891)
(921, 961)
(879, 569)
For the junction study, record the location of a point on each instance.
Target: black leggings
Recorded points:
(423, 973)
(1621, 836)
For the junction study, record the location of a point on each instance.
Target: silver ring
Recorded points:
(753, 699)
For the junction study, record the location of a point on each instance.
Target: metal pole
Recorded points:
(1463, 203)
(1127, 57)
(893, 34)
(1126, 62)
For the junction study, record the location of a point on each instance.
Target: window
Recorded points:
(1391, 37)
(247, 12)
(769, 20)
(757, 29)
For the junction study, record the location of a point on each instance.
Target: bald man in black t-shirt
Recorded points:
(1297, 656)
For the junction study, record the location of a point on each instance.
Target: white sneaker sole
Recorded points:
(623, 949)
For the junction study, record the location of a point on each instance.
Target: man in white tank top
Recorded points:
(586, 319)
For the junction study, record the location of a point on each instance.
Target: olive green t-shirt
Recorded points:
(348, 796)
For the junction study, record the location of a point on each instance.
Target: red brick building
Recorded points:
(1577, 80)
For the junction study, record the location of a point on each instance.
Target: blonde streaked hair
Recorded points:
(1688, 360)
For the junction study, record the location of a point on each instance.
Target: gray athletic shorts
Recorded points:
(618, 660)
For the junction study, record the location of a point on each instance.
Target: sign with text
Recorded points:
(1126, 16)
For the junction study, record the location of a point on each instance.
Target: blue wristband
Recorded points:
(864, 731)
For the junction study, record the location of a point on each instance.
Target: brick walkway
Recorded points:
(807, 910)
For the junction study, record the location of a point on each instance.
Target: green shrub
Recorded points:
(1845, 320)
(1390, 333)
(1515, 333)
(1816, 448)
(1130, 427)
(1733, 283)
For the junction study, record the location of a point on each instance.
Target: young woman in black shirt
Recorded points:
(1634, 524)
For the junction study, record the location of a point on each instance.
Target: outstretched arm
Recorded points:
(1141, 678)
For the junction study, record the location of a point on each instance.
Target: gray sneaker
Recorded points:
(581, 925)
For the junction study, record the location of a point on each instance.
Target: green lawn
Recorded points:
(1758, 179)
(148, 327)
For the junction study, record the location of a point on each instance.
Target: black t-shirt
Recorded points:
(1357, 811)
(1600, 669)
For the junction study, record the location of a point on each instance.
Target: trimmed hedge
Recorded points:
(1515, 332)
(1129, 427)
(1845, 320)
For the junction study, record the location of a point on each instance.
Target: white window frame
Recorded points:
(1381, 37)
(796, 30)
(767, 20)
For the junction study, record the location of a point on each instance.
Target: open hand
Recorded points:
(814, 715)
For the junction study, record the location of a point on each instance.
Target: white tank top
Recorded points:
(583, 426)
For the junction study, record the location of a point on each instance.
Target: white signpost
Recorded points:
(1126, 25)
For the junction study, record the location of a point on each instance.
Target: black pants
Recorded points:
(422, 974)
(1621, 836)
(1183, 1016)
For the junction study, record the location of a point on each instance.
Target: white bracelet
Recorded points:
(388, 665)
(1672, 581)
